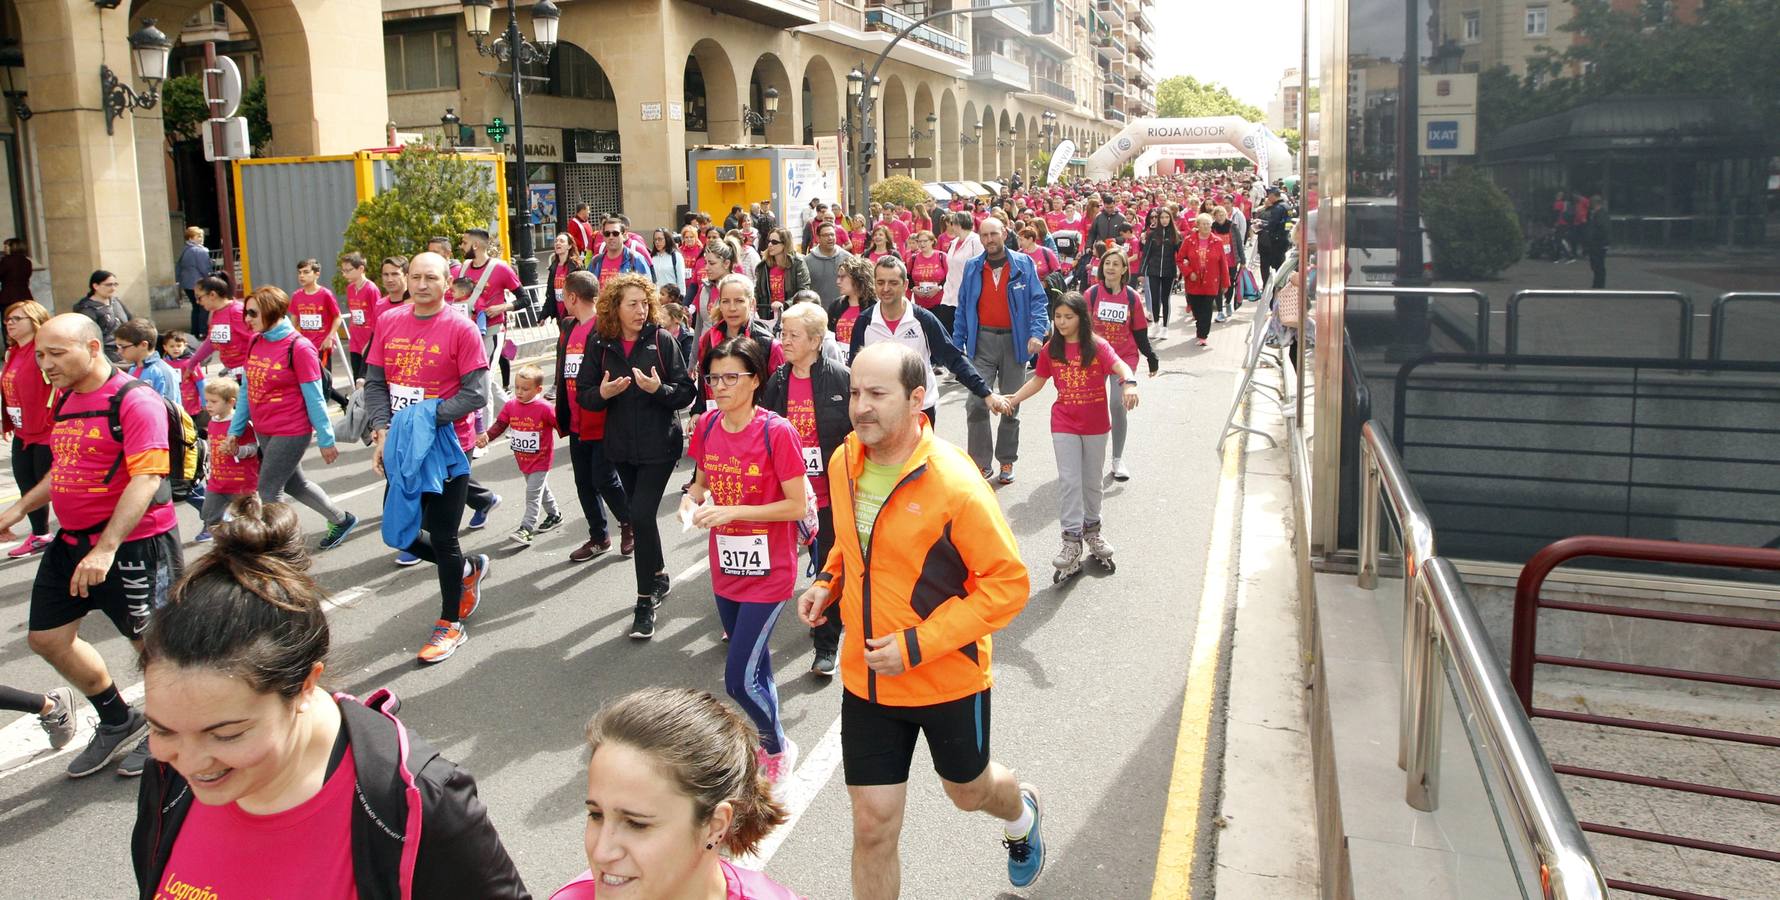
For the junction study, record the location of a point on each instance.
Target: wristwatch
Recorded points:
(1130, 382)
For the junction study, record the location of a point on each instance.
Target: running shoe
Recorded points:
(59, 722)
(480, 517)
(109, 742)
(988, 474)
(1026, 855)
(472, 596)
(642, 627)
(777, 767)
(1119, 472)
(203, 537)
(447, 637)
(1162, 332)
(590, 550)
(337, 533)
(659, 591)
(1202, 343)
(33, 543)
(1006, 476)
(404, 558)
(627, 539)
(551, 523)
(135, 761)
(1220, 316)
(826, 661)
(523, 536)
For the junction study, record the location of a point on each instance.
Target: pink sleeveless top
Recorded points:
(744, 884)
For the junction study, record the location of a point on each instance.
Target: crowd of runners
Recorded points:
(797, 368)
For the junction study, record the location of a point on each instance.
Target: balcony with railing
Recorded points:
(1140, 14)
(881, 18)
(997, 69)
(1113, 115)
(1110, 47)
(844, 12)
(1055, 89)
(1111, 10)
(1144, 46)
(1015, 22)
(1113, 79)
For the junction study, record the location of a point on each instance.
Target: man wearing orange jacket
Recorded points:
(917, 608)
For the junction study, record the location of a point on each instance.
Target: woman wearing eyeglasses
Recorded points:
(748, 491)
(780, 275)
(101, 304)
(26, 394)
(283, 400)
(635, 376)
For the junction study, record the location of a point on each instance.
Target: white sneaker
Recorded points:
(1119, 472)
(1161, 332)
(777, 767)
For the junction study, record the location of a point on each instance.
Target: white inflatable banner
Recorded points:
(1251, 139)
(1060, 158)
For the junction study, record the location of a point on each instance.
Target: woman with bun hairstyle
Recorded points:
(263, 783)
(673, 786)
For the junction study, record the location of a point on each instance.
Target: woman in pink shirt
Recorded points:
(265, 784)
(883, 243)
(683, 762)
(927, 271)
(27, 397)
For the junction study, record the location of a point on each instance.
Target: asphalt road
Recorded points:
(1089, 678)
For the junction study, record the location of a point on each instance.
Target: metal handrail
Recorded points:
(1716, 343)
(1683, 303)
(1438, 613)
(1477, 297)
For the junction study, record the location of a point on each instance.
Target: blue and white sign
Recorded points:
(1449, 135)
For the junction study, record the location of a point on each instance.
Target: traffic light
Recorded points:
(1044, 17)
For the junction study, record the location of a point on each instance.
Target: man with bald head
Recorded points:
(118, 548)
(915, 659)
(1001, 322)
(425, 352)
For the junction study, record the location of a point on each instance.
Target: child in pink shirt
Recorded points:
(530, 423)
(231, 475)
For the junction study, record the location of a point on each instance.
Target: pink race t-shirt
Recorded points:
(427, 358)
(800, 408)
(229, 475)
(223, 852)
(843, 329)
(84, 454)
(1115, 317)
(229, 335)
(928, 270)
(362, 301)
(276, 371)
(751, 562)
(531, 432)
(1080, 407)
(739, 884)
(501, 280)
(775, 284)
(314, 315)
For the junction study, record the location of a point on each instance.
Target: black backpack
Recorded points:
(188, 456)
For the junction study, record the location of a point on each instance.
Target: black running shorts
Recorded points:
(878, 741)
(142, 573)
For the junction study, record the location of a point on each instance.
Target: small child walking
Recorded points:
(1079, 361)
(230, 476)
(531, 421)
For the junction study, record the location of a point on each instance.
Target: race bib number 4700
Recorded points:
(743, 554)
(1113, 312)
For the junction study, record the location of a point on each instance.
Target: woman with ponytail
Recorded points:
(265, 784)
(674, 787)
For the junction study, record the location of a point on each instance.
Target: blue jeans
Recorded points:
(748, 672)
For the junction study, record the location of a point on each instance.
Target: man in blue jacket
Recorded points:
(1002, 320)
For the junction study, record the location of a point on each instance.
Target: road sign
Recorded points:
(496, 129)
(909, 162)
(229, 92)
(235, 144)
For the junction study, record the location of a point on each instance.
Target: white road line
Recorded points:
(23, 743)
(812, 774)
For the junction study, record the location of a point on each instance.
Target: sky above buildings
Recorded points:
(1244, 45)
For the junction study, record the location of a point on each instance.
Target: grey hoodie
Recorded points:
(825, 272)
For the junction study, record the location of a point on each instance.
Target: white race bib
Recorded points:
(402, 396)
(525, 441)
(309, 321)
(219, 333)
(358, 317)
(571, 365)
(15, 415)
(812, 461)
(743, 554)
(1111, 311)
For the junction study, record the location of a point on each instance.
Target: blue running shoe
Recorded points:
(337, 533)
(481, 516)
(1026, 855)
(404, 558)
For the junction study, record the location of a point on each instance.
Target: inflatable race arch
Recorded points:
(1249, 139)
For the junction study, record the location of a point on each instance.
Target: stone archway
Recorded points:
(988, 153)
(893, 136)
(769, 72)
(720, 104)
(971, 155)
(820, 99)
(1022, 147)
(1004, 142)
(929, 145)
(950, 157)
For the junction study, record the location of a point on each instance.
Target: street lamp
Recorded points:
(148, 48)
(448, 123)
(967, 139)
(752, 120)
(512, 48)
(12, 71)
(919, 135)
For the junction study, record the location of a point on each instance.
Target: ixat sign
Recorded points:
(1182, 131)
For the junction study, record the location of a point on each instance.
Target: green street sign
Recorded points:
(496, 130)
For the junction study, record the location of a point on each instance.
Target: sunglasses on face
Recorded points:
(774, 241)
(250, 313)
(727, 379)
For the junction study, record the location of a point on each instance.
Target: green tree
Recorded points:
(183, 110)
(1472, 226)
(900, 190)
(1184, 96)
(435, 191)
(1292, 138)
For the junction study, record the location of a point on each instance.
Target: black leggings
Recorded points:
(327, 380)
(20, 701)
(1160, 287)
(644, 483)
(359, 367)
(1202, 305)
(30, 465)
(826, 636)
(595, 481)
(441, 515)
